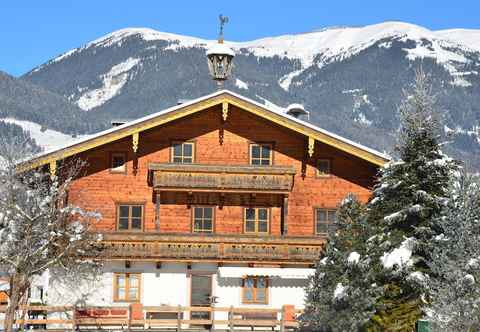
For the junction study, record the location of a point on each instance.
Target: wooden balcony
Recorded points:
(212, 248)
(221, 178)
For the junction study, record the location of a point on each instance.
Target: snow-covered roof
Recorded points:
(115, 133)
(220, 49)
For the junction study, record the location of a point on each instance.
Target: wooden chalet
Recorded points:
(217, 202)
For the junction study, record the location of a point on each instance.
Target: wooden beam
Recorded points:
(157, 210)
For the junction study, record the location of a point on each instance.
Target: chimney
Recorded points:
(298, 111)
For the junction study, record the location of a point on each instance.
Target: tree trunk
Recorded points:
(18, 287)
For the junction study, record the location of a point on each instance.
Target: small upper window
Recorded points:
(261, 154)
(323, 167)
(183, 152)
(325, 220)
(130, 217)
(203, 219)
(118, 162)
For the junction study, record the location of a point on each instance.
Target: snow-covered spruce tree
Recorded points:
(336, 299)
(405, 209)
(39, 230)
(455, 281)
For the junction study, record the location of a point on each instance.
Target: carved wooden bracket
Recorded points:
(311, 146)
(135, 139)
(53, 169)
(225, 110)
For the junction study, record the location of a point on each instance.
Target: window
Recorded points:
(118, 162)
(323, 167)
(203, 219)
(325, 220)
(261, 154)
(130, 217)
(255, 290)
(256, 220)
(183, 152)
(126, 287)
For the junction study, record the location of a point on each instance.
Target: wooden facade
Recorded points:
(220, 182)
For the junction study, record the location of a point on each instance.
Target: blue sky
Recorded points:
(33, 31)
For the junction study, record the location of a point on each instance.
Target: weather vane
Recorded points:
(223, 21)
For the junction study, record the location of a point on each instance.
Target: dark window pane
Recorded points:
(250, 226)
(187, 160)
(261, 283)
(136, 211)
(207, 213)
(324, 167)
(123, 223)
(321, 215)
(177, 159)
(136, 223)
(322, 227)
(263, 226)
(188, 150)
(177, 150)
(266, 152)
(250, 214)
(261, 295)
(123, 211)
(265, 162)
(207, 225)
(197, 225)
(248, 294)
(262, 214)
(255, 151)
(256, 161)
(198, 213)
(332, 216)
(118, 161)
(249, 282)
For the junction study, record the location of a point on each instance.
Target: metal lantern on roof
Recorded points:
(220, 57)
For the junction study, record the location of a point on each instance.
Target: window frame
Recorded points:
(127, 287)
(254, 290)
(317, 169)
(328, 223)
(117, 217)
(250, 157)
(193, 218)
(172, 156)
(116, 170)
(256, 220)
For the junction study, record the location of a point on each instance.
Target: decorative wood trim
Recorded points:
(194, 108)
(158, 198)
(53, 168)
(311, 146)
(224, 110)
(285, 215)
(135, 141)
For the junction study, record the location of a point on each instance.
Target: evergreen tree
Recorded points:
(405, 209)
(336, 297)
(455, 283)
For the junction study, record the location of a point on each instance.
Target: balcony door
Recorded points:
(201, 292)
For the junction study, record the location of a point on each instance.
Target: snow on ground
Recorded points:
(113, 81)
(47, 139)
(241, 84)
(400, 256)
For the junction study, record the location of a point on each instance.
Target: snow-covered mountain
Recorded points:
(349, 78)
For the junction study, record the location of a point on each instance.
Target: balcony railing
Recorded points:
(218, 248)
(221, 178)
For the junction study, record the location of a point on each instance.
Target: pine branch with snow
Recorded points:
(455, 284)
